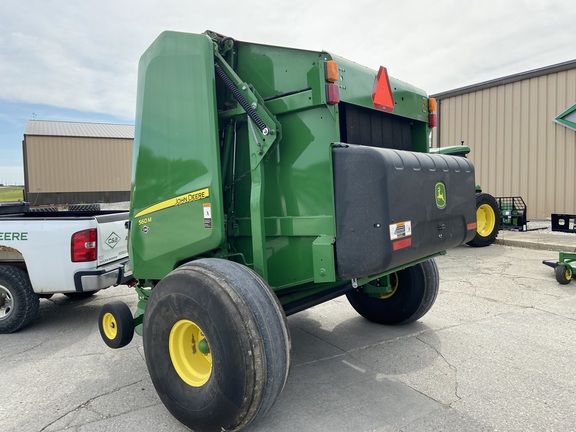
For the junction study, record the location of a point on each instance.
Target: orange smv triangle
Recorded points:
(382, 93)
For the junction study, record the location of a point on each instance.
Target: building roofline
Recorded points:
(534, 73)
(78, 129)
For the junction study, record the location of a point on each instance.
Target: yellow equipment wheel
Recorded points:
(116, 324)
(487, 221)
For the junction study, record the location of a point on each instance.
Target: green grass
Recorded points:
(10, 193)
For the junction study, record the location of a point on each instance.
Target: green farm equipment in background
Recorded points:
(564, 267)
(488, 215)
(512, 213)
(267, 180)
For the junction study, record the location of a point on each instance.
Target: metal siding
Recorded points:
(517, 149)
(66, 164)
(569, 138)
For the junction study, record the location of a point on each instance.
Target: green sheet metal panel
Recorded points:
(176, 197)
(357, 83)
(299, 195)
(278, 70)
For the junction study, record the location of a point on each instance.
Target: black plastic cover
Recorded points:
(394, 207)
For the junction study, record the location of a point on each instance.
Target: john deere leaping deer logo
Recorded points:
(440, 195)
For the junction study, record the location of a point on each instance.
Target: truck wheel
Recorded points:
(116, 324)
(216, 344)
(487, 220)
(414, 291)
(563, 274)
(80, 295)
(18, 302)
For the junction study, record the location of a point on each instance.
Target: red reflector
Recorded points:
(382, 93)
(432, 120)
(472, 226)
(401, 244)
(332, 94)
(83, 245)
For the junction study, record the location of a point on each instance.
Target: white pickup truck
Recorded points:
(44, 253)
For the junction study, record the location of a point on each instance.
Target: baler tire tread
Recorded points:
(245, 328)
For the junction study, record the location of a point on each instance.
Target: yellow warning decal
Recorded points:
(176, 201)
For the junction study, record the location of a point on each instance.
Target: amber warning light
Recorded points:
(382, 93)
(432, 117)
(331, 75)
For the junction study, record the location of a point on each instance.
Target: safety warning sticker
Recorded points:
(400, 230)
(207, 215)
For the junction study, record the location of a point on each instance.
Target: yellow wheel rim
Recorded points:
(394, 283)
(485, 219)
(109, 326)
(568, 273)
(190, 353)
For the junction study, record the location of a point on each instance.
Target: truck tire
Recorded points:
(18, 302)
(563, 274)
(487, 221)
(217, 345)
(116, 324)
(414, 292)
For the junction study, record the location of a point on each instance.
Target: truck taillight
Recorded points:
(83, 245)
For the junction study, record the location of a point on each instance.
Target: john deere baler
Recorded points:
(267, 180)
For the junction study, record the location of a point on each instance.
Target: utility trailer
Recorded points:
(267, 180)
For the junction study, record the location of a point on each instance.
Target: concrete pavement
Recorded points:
(495, 353)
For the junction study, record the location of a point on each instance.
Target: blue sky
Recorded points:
(77, 61)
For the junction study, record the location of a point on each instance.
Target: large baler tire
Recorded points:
(414, 291)
(487, 220)
(217, 345)
(18, 302)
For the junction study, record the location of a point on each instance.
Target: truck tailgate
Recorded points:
(112, 237)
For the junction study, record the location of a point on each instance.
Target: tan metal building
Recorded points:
(522, 132)
(72, 162)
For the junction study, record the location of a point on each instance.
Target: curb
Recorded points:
(553, 247)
